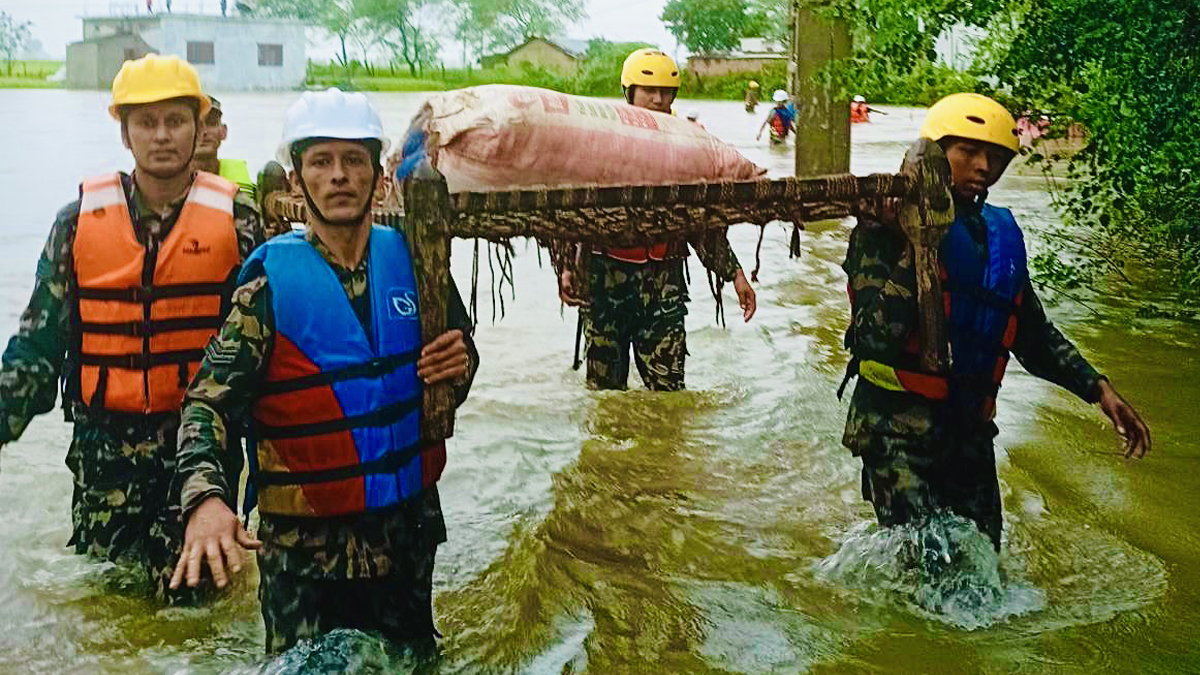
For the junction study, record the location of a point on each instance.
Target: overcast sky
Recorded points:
(56, 22)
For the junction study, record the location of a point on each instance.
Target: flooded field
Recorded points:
(717, 530)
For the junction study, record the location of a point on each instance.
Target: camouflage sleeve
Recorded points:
(248, 223)
(883, 284)
(715, 253)
(1046, 353)
(456, 318)
(222, 392)
(34, 359)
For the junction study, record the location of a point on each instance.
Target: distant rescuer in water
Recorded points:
(322, 357)
(638, 293)
(129, 288)
(926, 442)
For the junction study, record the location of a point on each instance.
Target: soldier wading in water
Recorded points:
(133, 281)
(637, 294)
(322, 356)
(925, 441)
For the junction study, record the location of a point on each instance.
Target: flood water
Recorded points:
(717, 530)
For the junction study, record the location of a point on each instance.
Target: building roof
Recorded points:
(750, 48)
(182, 16)
(572, 48)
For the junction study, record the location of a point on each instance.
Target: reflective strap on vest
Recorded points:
(884, 376)
(387, 464)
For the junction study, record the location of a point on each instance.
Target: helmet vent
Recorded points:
(647, 72)
(976, 120)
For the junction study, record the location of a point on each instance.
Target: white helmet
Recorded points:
(330, 114)
(859, 99)
(779, 96)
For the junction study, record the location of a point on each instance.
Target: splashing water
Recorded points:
(942, 568)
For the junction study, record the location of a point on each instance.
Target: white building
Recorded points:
(233, 53)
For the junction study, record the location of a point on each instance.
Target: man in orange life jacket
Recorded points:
(131, 284)
(926, 442)
(638, 294)
(322, 355)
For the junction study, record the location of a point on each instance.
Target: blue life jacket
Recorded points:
(337, 421)
(984, 298)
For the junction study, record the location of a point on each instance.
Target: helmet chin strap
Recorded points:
(312, 206)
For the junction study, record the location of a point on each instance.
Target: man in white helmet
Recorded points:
(322, 358)
(780, 120)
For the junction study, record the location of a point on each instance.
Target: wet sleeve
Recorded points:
(1045, 352)
(221, 394)
(456, 318)
(883, 283)
(33, 361)
(248, 224)
(715, 253)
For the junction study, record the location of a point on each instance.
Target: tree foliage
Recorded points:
(707, 25)
(1126, 70)
(14, 36)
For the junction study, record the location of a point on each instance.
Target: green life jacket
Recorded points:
(237, 171)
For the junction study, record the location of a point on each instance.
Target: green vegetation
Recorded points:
(598, 75)
(1126, 71)
(29, 75)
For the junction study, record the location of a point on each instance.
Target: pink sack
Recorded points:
(505, 137)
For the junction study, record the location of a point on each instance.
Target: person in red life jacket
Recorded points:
(322, 357)
(925, 440)
(637, 294)
(780, 121)
(134, 279)
(693, 116)
(860, 112)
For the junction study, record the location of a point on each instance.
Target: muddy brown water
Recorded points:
(717, 530)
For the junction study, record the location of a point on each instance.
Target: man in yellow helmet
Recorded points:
(750, 97)
(212, 134)
(638, 293)
(132, 283)
(926, 441)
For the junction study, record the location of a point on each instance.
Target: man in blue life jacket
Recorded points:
(926, 442)
(212, 134)
(322, 358)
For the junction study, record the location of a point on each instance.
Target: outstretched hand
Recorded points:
(747, 300)
(214, 536)
(1126, 421)
(567, 292)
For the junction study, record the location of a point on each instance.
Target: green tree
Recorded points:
(339, 18)
(1126, 70)
(405, 27)
(496, 25)
(707, 25)
(14, 36)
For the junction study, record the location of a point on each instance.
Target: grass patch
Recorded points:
(28, 74)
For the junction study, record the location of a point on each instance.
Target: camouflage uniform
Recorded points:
(124, 506)
(372, 571)
(917, 455)
(642, 305)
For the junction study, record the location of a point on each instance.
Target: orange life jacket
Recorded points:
(144, 315)
(859, 113)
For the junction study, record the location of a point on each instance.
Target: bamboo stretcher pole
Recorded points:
(925, 217)
(426, 227)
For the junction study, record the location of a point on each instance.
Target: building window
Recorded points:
(200, 53)
(270, 55)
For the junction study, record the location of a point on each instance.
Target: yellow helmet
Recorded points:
(649, 68)
(155, 78)
(753, 84)
(972, 116)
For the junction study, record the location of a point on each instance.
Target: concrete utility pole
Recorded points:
(823, 119)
